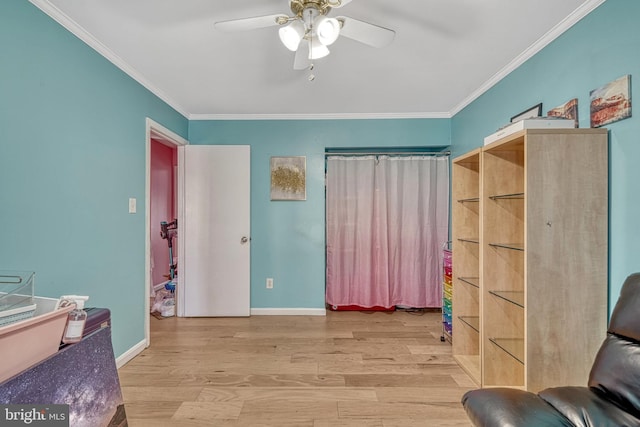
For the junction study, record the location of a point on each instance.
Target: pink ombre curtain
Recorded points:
(387, 220)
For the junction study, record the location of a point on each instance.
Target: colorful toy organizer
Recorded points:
(447, 294)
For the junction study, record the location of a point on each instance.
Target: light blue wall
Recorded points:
(287, 238)
(603, 46)
(72, 152)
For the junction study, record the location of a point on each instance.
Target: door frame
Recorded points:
(158, 132)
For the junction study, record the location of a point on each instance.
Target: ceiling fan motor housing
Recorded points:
(322, 6)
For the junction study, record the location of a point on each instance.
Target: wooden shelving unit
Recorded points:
(542, 251)
(466, 258)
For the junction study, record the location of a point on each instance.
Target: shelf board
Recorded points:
(468, 240)
(507, 196)
(469, 200)
(514, 297)
(471, 321)
(470, 364)
(512, 246)
(514, 347)
(473, 281)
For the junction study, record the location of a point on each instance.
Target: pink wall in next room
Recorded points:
(162, 206)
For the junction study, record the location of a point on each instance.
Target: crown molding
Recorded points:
(70, 25)
(320, 116)
(582, 11)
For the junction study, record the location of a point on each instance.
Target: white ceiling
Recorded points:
(445, 53)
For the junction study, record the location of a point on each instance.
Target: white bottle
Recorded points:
(76, 320)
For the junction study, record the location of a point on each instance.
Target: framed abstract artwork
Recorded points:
(288, 178)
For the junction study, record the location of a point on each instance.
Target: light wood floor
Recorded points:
(346, 369)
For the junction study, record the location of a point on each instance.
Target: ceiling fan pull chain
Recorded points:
(312, 76)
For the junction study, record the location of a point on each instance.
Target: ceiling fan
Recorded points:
(309, 31)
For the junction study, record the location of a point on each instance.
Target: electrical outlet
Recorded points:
(269, 283)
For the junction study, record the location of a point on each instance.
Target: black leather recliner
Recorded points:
(612, 398)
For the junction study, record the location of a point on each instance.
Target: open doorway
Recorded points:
(163, 199)
(164, 211)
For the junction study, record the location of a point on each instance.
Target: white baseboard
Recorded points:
(159, 286)
(130, 354)
(288, 312)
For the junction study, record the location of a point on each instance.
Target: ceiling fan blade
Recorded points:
(364, 32)
(339, 3)
(245, 24)
(301, 60)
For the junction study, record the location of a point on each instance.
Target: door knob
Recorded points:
(244, 240)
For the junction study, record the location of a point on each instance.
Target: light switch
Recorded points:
(132, 205)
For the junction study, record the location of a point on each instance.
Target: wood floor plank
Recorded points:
(291, 394)
(330, 357)
(205, 360)
(421, 394)
(207, 411)
(183, 368)
(395, 380)
(430, 349)
(213, 347)
(428, 422)
(385, 368)
(159, 393)
(280, 380)
(351, 346)
(404, 332)
(431, 359)
(294, 334)
(131, 377)
(277, 421)
(339, 422)
(386, 410)
(287, 409)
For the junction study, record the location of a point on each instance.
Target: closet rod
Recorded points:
(378, 153)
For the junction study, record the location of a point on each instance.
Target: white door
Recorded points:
(214, 279)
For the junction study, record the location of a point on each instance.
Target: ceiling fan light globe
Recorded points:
(327, 29)
(317, 50)
(291, 35)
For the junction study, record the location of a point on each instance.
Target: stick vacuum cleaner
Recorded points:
(168, 231)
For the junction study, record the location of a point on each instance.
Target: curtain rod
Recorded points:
(393, 153)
